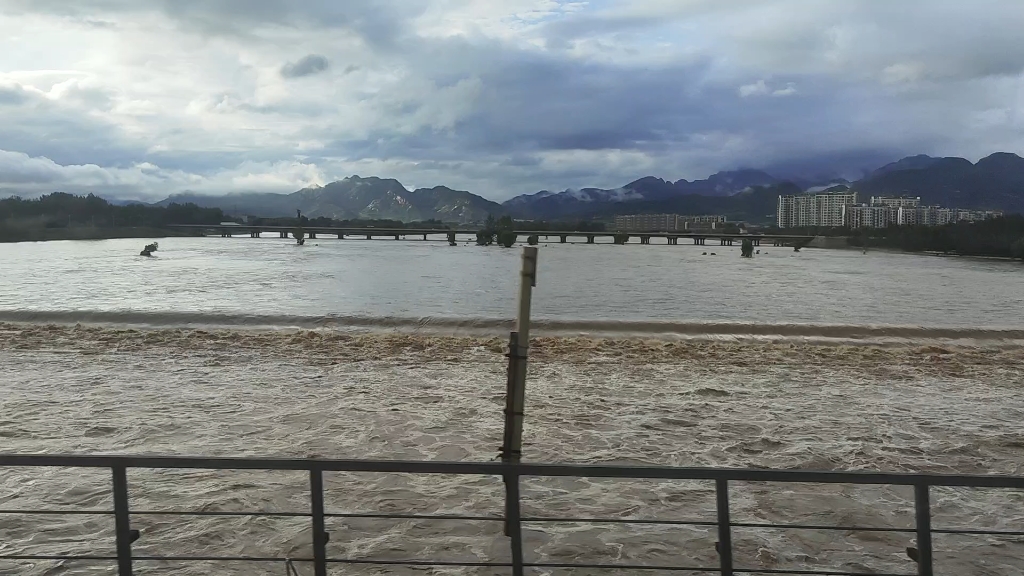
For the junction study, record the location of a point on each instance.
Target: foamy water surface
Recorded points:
(782, 404)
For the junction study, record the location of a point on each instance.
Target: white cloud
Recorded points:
(756, 89)
(151, 97)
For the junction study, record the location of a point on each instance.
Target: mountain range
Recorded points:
(995, 182)
(355, 198)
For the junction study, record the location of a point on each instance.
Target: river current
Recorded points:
(644, 355)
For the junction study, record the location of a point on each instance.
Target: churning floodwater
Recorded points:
(753, 384)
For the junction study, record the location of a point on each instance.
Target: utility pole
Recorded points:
(515, 399)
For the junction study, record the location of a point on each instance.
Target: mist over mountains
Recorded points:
(994, 182)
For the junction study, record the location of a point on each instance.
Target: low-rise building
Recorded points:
(667, 222)
(646, 223)
(880, 215)
(896, 201)
(976, 215)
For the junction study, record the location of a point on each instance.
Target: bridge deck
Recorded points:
(329, 230)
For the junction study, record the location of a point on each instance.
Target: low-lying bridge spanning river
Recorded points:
(563, 236)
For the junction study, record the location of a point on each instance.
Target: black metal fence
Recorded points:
(919, 556)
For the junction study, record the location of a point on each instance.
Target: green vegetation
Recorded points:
(502, 229)
(1001, 237)
(533, 239)
(507, 238)
(747, 250)
(1017, 249)
(621, 238)
(61, 216)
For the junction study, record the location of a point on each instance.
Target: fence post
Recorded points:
(724, 527)
(513, 525)
(122, 521)
(923, 509)
(316, 499)
(515, 395)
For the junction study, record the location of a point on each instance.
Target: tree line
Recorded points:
(62, 210)
(1001, 237)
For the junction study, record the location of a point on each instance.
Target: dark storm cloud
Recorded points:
(688, 86)
(306, 66)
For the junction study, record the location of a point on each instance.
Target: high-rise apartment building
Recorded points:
(825, 209)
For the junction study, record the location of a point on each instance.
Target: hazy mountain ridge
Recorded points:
(994, 182)
(355, 197)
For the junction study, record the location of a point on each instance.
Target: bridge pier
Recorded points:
(396, 236)
(590, 239)
(673, 240)
(645, 239)
(699, 241)
(368, 237)
(424, 237)
(451, 239)
(312, 235)
(562, 239)
(341, 236)
(756, 241)
(779, 242)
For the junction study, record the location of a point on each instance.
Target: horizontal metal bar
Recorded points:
(654, 522)
(977, 532)
(819, 527)
(219, 513)
(59, 512)
(698, 569)
(79, 557)
(417, 517)
(371, 562)
(254, 514)
(567, 520)
(570, 520)
(619, 567)
(815, 572)
(419, 563)
(426, 563)
(506, 469)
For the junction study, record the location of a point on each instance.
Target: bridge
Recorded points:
(563, 236)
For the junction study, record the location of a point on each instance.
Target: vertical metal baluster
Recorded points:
(513, 525)
(316, 498)
(724, 528)
(122, 521)
(923, 510)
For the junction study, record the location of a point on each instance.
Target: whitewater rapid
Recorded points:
(393, 392)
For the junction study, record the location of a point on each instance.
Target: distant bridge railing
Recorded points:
(381, 232)
(921, 553)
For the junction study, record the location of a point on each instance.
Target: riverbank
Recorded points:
(16, 234)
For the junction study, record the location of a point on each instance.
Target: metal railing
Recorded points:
(921, 554)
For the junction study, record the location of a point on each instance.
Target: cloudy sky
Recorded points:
(144, 98)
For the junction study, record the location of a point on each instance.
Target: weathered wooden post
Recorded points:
(515, 397)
